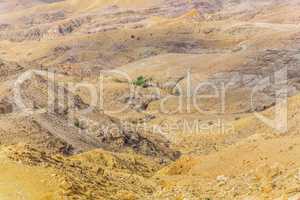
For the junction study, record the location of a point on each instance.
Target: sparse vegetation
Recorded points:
(77, 123)
(141, 81)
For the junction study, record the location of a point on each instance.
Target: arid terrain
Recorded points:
(149, 99)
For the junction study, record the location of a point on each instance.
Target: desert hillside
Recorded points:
(139, 99)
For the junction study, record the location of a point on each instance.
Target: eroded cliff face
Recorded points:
(135, 99)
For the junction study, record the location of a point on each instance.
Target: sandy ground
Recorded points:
(166, 49)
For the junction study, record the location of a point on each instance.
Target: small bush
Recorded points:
(140, 81)
(77, 123)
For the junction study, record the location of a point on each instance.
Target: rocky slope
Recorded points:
(180, 84)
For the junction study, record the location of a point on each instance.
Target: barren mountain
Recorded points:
(162, 99)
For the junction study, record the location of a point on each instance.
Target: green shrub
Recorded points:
(140, 81)
(77, 123)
